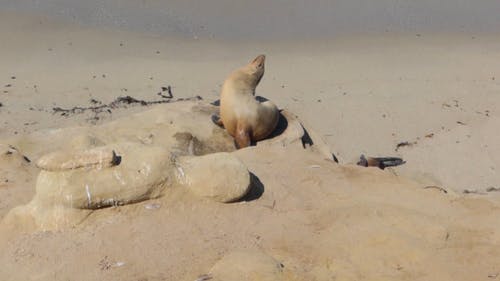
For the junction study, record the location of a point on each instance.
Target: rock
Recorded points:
(99, 158)
(142, 174)
(136, 158)
(293, 132)
(219, 176)
(247, 266)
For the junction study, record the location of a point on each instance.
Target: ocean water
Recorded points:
(277, 19)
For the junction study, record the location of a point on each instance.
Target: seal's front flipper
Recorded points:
(217, 120)
(242, 137)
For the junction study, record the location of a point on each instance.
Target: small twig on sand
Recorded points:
(436, 187)
(405, 143)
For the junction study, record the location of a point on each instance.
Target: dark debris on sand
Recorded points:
(404, 143)
(98, 108)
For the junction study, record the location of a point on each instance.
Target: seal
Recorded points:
(381, 162)
(245, 118)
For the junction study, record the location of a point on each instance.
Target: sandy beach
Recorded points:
(424, 91)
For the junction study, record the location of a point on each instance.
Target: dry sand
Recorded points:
(322, 221)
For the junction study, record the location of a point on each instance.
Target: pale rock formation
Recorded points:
(100, 157)
(139, 158)
(218, 176)
(141, 173)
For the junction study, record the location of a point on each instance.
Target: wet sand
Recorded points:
(270, 20)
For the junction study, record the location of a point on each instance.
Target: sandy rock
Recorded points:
(247, 266)
(95, 169)
(34, 217)
(219, 176)
(142, 174)
(291, 131)
(99, 158)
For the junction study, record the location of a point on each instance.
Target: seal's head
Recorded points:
(257, 65)
(256, 69)
(246, 78)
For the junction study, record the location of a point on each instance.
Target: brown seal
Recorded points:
(381, 162)
(244, 117)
